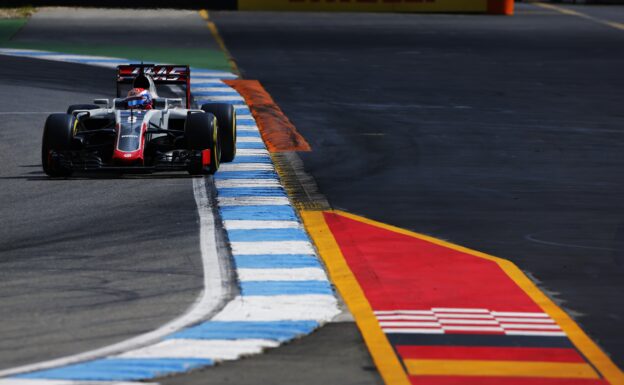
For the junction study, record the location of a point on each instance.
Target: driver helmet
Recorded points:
(139, 98)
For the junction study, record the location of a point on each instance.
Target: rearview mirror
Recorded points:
(101, 102)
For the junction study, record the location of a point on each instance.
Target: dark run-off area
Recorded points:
(502, 134)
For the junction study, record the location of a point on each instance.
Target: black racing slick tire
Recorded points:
(202, 133)
(75, 107)
(226, 119)
(57, 137)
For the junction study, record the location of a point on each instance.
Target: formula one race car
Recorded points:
(141, 132)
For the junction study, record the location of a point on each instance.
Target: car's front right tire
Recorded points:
(202, 133)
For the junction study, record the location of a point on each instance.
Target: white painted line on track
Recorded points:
(28, 381)
(215, 284)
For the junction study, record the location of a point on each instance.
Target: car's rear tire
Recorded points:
(202, 133)
(226, 119)
(57, 137)
(75, 107)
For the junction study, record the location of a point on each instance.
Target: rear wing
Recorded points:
(160, 74)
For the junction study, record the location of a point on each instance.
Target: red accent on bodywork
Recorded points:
(206, 157)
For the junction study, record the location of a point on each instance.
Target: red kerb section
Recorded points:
(401, 272)
(489, 353)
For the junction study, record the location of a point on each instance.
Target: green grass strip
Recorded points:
(205, 58)
(8, 28)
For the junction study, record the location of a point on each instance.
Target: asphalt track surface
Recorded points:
(89, 262)
(502, 134)
(84, 262)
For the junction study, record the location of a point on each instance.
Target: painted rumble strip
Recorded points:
(284, 291)
(429, 319)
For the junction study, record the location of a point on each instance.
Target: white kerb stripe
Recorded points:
(251, 151)
(406, 318)
(463, 315)
(210, 349)
(399, 312)
(318, 307)
(474, 328)
(530, 326)
(413, 331)
(246, 225)
(518, 314)
(420, 324)
(214, 89)
(293, 274)
(527, 320)
(283, 247)
(205, 81)
(534, 333)
(467, 322)
(246, 166)
(247, 116)
(234, 183)
(248, 139)
(458, 310)
(254, 201)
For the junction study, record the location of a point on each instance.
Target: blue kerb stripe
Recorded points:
(206, 99)
(251, 145)
(220, 92)
(212, 85)
(267, 235)
(120, 369)
(215, 93)
(280, 261)
(249, 134)
(258, 213)
(245, 121)
(251, 192)
(246, 175)
(207, 82)
(269, 288)
(252, 159)
(242, 109)
(272, 330)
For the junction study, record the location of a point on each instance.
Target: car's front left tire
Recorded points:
(58, 132)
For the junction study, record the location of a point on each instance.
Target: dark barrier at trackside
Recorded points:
(183, 4)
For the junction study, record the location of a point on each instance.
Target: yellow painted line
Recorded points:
(215, 33)
(578, 337)
(382, 352)
(500, 368)
(571, 12)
